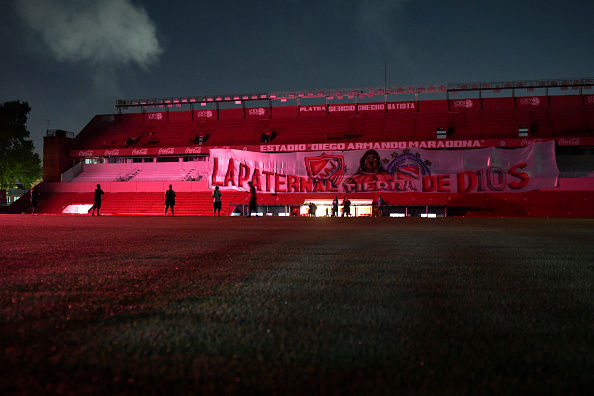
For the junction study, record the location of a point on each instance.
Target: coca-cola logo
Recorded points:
(590, 99)
(168, 150)
(463, 103)
(259, 111)
(85, 153)
(139, 151)
(112, 152)
(528, 142)
(569, 142)
(193, 150)
(155, 116)
(204, 114)
(532, 101)
(108, 118)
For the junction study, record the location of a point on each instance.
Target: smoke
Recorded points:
(105, 33)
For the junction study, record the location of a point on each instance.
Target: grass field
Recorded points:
(200, 305)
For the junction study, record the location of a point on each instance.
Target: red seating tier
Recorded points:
(465, 119)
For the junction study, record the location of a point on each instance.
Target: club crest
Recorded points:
(325, 167)
(408, 166)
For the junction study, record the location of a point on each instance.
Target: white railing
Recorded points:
(71, 173)
(128, 172)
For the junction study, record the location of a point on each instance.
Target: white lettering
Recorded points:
(312, 108)
(371, 107)
(155, 116)
(569, 142)
(532, 101)
(204, 114)
(401, 106)
(429, 144)
(465, 103)
(257, 111)
(528, 142)
(193, 150)
(341, 108)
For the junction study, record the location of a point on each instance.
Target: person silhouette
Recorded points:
(169, 200)
(380, 206)
(97, 203)
(335, 207)
(34, 199)
(253, 207)
(216, 194)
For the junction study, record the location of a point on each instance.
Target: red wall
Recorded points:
(572, 198)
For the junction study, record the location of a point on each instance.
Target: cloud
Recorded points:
(103, 32)
(378, 20)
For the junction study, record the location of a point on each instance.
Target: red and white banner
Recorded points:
(463, 171)
(277, 148)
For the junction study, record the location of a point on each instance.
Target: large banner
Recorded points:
(456, 171)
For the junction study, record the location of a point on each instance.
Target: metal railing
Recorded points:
(352, 93)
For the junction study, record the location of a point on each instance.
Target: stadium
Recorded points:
(511, 148)
(490, 298)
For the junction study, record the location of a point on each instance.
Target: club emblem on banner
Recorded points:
(325, 167)
(408, 166)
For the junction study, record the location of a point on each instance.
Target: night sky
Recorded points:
(72, 60)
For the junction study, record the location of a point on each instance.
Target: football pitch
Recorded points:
(274, 305)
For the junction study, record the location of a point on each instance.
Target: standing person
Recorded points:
(169, 200)
(335, 207)
(216, 194)
(347, 207)
(34, 198)
(97, 204)
(253, 201)
(312, 209)
(380, 206)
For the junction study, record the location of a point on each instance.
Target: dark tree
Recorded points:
(18, 161)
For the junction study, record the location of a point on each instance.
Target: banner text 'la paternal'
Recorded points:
(460, 171)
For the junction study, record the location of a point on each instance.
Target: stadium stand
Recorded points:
(138, 153)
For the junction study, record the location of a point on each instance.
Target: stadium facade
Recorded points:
(512, 148)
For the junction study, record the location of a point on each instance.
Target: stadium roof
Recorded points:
(352, 93)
